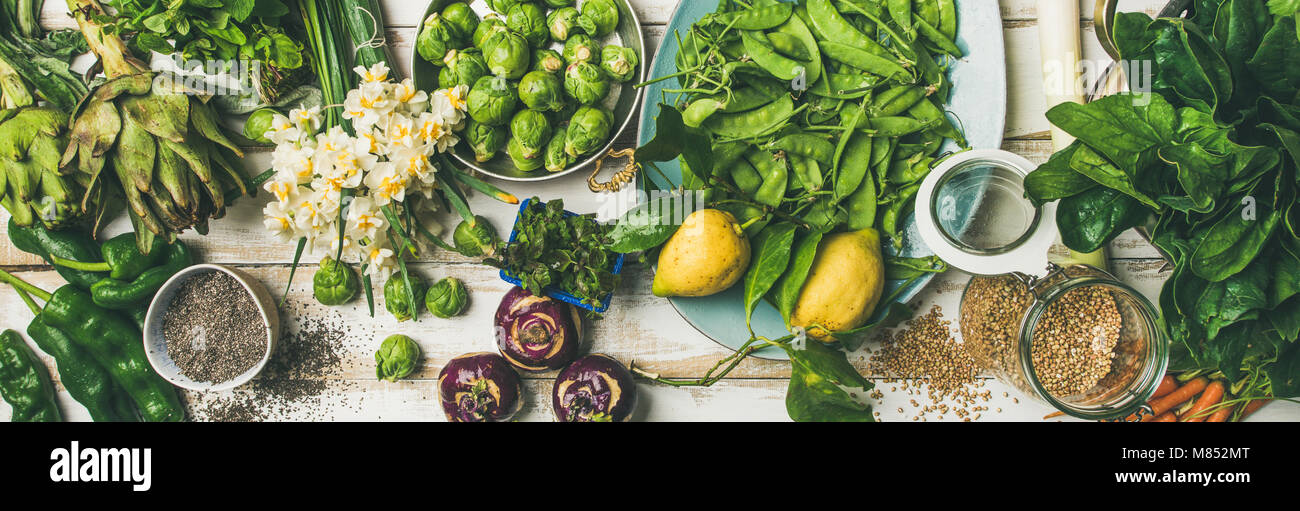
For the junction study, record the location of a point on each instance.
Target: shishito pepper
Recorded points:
(116, 343)
(86, 380)
(25, 383)
(71, 245)
(120, 295)
(122, 258)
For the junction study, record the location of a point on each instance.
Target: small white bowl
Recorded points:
(155, 346)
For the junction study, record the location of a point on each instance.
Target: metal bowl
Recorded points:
(622, 100)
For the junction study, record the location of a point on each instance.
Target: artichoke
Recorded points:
(162, 146)
(32, 185)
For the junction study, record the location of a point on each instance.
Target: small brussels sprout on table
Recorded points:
(547, 61)
(599, 17)
(334, 283)
(581, 48)
(486, 140)
(595, 388)
(561, 23)
(461, 19)
(492, 101)
(619, 63)
(462, 67)
(398, 301)
(556, 159)
(476, 239)
(447, 298)
(541, 91)
(586, 83)
(519, 156)
(533, 130)
(398, 356)
(259, 123)
(529, 20)
(508, 55)
(537, 333)
(588, 131)
(480, 387)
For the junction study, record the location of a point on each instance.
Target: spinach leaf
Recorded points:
(1126, 128)
(1285, 373)
(825, 387)
(1274, 63)
(772, 256)
(1235, 240)
(1201, 174)
(1285, 318)
(1055, 179)
(1230, 301)
(1096, 167)
(1091, 219)
(1187, 63)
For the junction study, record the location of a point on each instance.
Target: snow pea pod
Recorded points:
(761, 17)
(903, 203)
(927, 11)
(896, 100)
(847, 85)
(862, 206)
(746, 177)
(857, 162)
(796, 27)
(864, 60)
(897, 126)
(759, 49)
(808, 172)
(699, 111)
(932, 34)
(929, 111)
(848, 124)
(758, 94)
(789, 45)
(808, 146)
(775, 173)
(901, 12)
(833, 27)
(948, 18)
(754, 122)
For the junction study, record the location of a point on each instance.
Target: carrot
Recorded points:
(1223, 413)
(1188, 391)
(1213, 394)
(1165, 417)
(1253, 406)
(1167, 384)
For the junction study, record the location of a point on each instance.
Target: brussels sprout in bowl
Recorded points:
(621, 100)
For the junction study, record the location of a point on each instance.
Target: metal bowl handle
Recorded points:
(621, 179)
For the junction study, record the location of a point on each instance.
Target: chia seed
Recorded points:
(213, 329)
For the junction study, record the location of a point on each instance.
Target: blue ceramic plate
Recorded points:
(979, 100)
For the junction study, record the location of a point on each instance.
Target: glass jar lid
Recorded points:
(973, 213)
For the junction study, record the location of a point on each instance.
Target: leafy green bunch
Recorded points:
(223, 30)
(1207, 162)
(560, 250)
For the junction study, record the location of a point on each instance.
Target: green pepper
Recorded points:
(119, 295)
(25, 383)
(71, 244)
(117, 344)
(122, 258)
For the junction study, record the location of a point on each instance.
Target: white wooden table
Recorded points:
(639, 326)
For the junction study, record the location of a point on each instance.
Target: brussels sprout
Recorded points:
(398, 356)
(492, 101)
(586, 83)
(548, 61)
(485, 139)
(540, 90)
(476, 239)
(462, 67)
(461, 19)
(581, 48)
(503, 6)
(522, 162)
(436, 37)
(599, 17)
(588, 131)
(490, 26)
(259, 123)
(334, 283)
(397, 301)
(508, 55)
(560, 3)
(561, 23)
(447, 298)
(556, 159)
(528, 20)
(533, 130)
(619, 63)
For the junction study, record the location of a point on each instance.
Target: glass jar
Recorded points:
(1071, 336)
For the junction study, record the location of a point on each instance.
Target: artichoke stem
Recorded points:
(112, 52)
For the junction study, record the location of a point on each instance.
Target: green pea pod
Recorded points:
(848, 125)
(746, 177)
(759, 49)
(898, 126)
(791, 283)
(833, 27)
(948, 18)
(118, 295)
(772, 256)
(910, 170)
(865, 61)
(774, 172)
(882, 153)
(761, 17)
(796, 27)
(758, 94)
(846, 85)
(928, 111)
(891, 222)
(857, 162)
(901, 12)
(806, 145)
(754, 122)
(932, 34)
(725, 155)
(789, 45)
(699, 111)
(117, 345)
(862, 206)
(896, 100)
(807, 172)
(70, 244)
(25, 383)
(925, 11)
